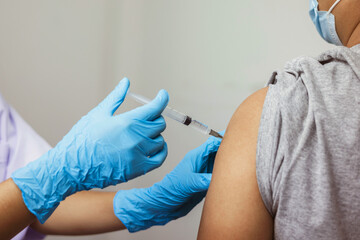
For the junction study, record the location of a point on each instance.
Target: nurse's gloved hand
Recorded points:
(100, 150)
(176, 195)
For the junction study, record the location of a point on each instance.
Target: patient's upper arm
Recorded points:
(233, 207)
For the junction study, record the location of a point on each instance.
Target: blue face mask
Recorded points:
(325, 22)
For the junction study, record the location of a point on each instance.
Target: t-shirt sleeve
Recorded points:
(283, 112)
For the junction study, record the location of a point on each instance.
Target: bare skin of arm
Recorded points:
(80, 214)
(233, 207)
(83, 213)
(14, 214)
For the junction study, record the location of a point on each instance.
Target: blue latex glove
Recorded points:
(100, 150)
(176, 195)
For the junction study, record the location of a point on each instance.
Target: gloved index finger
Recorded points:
(112, 101)
(201, 159)
(152, 110)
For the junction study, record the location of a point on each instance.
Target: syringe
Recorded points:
(178, 116)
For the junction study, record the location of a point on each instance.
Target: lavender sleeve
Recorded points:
(19, 145)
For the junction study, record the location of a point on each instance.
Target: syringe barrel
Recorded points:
(176, 115)
(200, 127)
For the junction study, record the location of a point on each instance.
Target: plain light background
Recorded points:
(58, 59)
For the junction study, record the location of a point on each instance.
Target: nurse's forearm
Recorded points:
(14, 215)
(83, 213)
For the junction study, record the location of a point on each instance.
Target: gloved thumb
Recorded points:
(111, 103)
(198, 182)
(152, 110)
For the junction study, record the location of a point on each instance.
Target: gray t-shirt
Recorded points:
(308, 151)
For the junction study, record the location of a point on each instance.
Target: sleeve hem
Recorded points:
(263, 151)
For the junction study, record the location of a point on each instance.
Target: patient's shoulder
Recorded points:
(234, 194)
(238, 148)
(243, 127)
(253, 104)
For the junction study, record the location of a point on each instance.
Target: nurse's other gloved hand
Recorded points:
(100, 150)
(173, 197)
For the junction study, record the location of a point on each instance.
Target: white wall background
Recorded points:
(58, 59)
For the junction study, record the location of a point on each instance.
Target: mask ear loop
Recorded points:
(333, 6)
